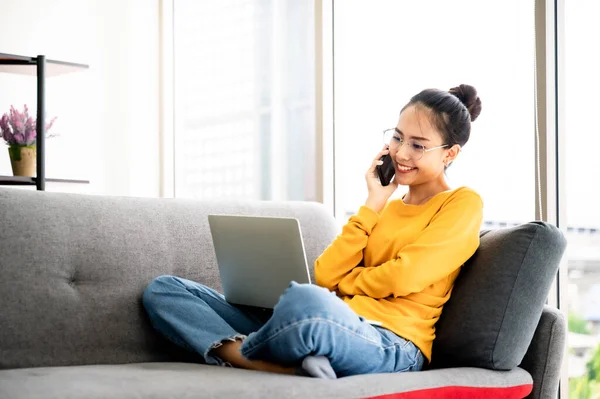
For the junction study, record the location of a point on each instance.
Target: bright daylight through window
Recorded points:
(582, 64)
(244, 99)
(403, 48)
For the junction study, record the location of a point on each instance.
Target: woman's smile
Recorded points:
(404, 169)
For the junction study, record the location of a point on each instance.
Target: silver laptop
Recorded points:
(258, 257)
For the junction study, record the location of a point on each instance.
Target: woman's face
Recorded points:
(412, 149)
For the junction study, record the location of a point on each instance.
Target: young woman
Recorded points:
(381, 284)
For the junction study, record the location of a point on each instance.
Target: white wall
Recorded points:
(108, 115)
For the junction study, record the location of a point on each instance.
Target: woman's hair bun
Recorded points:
(468, 96)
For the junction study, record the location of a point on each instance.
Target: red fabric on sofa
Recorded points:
(459, 392)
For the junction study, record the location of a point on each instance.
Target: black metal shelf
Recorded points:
(22, 65)
(32, 181)
(41, 67)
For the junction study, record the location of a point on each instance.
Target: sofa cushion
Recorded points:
(498, 298)
(179, 380)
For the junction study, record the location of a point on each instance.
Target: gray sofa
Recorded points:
(73, 268)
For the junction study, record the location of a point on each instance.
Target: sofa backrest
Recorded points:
(73, 269)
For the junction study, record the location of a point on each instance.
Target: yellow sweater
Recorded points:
(399, 266)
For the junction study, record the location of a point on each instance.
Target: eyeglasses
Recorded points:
(416, 150)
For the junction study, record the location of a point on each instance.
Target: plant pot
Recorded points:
(23, 160)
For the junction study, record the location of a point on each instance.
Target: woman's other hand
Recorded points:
(378, 194)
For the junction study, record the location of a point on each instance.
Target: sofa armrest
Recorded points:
(544, 357)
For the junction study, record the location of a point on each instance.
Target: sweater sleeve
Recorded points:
(446, 244)
(346, 251)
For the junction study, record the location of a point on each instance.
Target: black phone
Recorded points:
(386, 171)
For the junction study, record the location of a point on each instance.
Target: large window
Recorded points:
(244, 99)
(582, 84)
(245, 113)
(385, 51)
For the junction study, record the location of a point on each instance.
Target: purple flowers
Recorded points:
(18, 128)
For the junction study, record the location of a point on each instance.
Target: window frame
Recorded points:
(166, 99)
(325, 104)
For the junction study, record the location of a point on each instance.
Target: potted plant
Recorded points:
(18, 130)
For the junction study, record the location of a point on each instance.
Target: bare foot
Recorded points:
(230, 353)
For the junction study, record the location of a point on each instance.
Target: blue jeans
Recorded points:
(308, 320)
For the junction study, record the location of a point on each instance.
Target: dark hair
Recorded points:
(451, 112)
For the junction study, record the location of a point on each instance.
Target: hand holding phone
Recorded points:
(380, 182)
(386, 171)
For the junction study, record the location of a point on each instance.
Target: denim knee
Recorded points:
(153, 291)
(308, 300)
